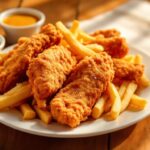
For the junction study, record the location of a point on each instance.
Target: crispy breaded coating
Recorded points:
(113, 43)
(48, 72)
(127, 71)
(73, 103)
(115, 46)
(107, 33)
(13, 67)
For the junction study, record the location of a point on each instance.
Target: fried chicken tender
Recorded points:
(113, 44)
(127, 71)
(14, 65)
(48, 72)
(116, 47)
(5, 56)
(89, 79)
(107, 33)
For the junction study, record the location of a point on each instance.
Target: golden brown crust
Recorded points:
(49, 70)
(13, 68)
(113, 43)
(116, 47)
(85, 85)
(127, 71)
(106, 33)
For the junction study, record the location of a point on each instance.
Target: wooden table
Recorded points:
(136, 137)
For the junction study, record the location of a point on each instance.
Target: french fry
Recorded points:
(16, 95)
(109, 102)
(95, 47)
(85, 36)
(123, 88)
(138, 59)
(76, 47)
(98, 109)
(131, 88)
(75, 27)
(144, 81)
(44, 115)
(27, 111)
(2, 55)
(116, 105)
(137, 103)
(108, 105)
(129, 58)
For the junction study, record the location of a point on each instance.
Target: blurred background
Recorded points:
(131, 17)
(65, 10)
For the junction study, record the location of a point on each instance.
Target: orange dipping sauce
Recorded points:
(20, 20)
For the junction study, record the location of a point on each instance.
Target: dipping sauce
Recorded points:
(20, 20)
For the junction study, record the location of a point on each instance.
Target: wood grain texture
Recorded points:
(136, 137)
(92, 8)
(11, 139)
(6, 4)
(55, 10)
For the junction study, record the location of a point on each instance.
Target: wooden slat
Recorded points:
(29, 3)
(56, 10)
(14, 140)
(136, 137)
(5, 4)
(92, 8)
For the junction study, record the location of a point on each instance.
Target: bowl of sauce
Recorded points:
(18, 22)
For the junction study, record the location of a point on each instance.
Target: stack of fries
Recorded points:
(121, 98)
(110, 105)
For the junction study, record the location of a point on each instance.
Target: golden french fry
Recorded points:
(76, 47)
(95, 47)
(123, 88)
(2, 55)
(108, 105)
(116, 105)
(144, 81)
(137, 103)
(27, 111)
(75, 27)
(129, 58)
(98, 109)
(138, 59)
(85, 36)
(44, 115)
(16, 95)
(131, 88)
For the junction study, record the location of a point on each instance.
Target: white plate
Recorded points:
(13, 118)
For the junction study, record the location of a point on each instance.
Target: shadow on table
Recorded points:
(11, 139)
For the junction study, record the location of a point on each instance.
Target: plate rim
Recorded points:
(34, 132)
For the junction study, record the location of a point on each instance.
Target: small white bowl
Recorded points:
(2, 42)
(14, 32)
